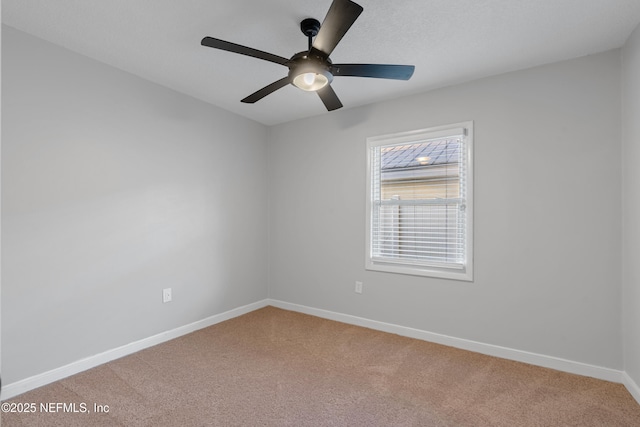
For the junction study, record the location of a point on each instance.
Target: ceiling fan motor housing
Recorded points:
(316, 69)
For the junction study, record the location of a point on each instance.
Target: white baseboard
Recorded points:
(22, 386)
(478, 347)
(632, 386)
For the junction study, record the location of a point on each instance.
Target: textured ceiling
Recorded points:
(449, 41)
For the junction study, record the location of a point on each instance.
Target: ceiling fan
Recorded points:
(312, 70)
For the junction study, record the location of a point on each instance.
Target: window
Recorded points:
(419, 203)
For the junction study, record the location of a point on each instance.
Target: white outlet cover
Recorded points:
(358, 287)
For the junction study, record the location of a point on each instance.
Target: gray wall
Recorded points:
(631, 205)
(114, 188)
(547, 212)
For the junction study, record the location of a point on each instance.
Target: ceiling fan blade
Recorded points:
(329, 98)
(380, 71)
(258, 95)
(243, 50)
(340, 17)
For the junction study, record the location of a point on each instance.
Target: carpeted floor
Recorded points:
(273, 367)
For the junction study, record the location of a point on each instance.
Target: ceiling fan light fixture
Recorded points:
(310, 82)
(310, 76)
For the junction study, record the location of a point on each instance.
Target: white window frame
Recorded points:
(439, 270)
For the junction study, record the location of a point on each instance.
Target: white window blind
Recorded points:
(419, 202)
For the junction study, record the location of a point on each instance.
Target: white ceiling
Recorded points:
(449, 41)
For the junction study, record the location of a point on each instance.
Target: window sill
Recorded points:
(462, 274)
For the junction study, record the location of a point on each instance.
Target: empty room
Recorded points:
(314, 213)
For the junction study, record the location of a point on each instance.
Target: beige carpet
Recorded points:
(273, 367)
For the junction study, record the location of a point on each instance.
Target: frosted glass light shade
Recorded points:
(310, 81)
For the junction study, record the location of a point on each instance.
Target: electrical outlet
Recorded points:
(166, 295)
(358, 287)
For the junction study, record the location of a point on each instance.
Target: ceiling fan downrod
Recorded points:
(310, 28)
